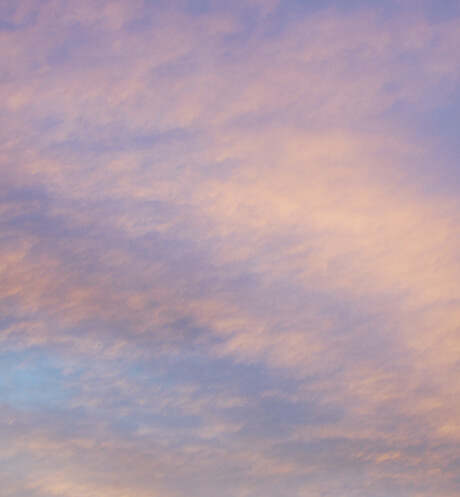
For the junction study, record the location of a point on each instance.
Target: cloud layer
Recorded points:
(229, 249)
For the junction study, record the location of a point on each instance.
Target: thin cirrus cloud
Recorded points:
(229, 249)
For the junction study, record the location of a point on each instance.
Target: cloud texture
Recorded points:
(229, 248)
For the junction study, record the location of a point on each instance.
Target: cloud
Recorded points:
(229, 250)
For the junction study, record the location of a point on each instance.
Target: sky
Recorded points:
(229, 248)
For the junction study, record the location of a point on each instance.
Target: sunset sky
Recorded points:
(229, 248)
